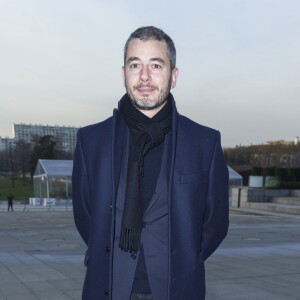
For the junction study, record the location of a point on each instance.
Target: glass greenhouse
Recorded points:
(235, 180)
(52, 179)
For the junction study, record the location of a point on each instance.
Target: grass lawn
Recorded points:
(20, 191)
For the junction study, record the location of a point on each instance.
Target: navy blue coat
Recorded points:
(197, 197)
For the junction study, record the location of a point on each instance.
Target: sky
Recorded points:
(238, 61)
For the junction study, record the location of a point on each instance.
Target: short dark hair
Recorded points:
(152, 33)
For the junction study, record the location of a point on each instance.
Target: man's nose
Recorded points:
(145, 74)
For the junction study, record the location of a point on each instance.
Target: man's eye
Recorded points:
(155, 66)
(134, 66)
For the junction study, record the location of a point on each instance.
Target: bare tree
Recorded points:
(23, 153)
(12, 165)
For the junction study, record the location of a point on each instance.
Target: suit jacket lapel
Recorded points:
(162, 180)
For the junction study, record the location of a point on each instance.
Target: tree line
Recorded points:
(20, 161)
(270, 159)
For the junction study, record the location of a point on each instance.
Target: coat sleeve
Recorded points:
(81, 192)
(216, 218)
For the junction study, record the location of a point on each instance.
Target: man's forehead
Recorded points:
(140, 45)
(146, 50)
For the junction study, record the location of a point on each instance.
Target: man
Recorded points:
(10, 199)
(150, 187)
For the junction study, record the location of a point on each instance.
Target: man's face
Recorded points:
(147, 74)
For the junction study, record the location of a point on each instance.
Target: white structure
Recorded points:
(52, 179)
(235, 180)
(65, 136)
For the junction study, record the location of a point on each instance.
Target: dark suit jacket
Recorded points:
(154, 235)
(197, 203)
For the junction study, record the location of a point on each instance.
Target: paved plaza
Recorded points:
(41, 257)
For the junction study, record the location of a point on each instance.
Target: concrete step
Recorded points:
(276, 207)
(286, 200)
(25, 208)
(256, 212)
(295, 193)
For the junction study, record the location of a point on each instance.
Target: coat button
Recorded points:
(145, 224)
(133, 256)
(105, 292)
(107, 249)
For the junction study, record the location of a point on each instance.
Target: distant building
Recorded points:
(6, 143)
(65, 136)
(280, 142)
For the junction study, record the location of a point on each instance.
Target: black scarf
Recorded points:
(146, 133)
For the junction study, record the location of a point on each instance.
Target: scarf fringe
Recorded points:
(130, 239)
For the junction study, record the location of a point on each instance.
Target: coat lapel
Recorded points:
(120, 133)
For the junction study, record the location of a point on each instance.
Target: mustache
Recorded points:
(145, 86)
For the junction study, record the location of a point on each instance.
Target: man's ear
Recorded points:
(174, 76)
(123, 75)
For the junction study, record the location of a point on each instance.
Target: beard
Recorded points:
(144, 102)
